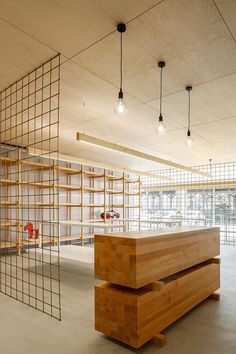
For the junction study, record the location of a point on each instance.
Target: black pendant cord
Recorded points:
(189, 88)
(121, 61)
(121, 28)
(189, 105)
(161, 92)
(161, 65)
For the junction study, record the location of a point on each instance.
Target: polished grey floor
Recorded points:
(209, 328)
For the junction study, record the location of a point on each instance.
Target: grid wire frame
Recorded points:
(29, 198)
(192, 200)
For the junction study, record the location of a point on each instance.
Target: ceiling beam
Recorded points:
(124, 150)
(80, 161)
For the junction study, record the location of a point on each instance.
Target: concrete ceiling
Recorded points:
(196, 38)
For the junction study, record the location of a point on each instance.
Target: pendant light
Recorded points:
(161, 129)
(120, 106)
(189, 139)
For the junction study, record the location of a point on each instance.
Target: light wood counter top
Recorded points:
(138, 258)
(156, 232)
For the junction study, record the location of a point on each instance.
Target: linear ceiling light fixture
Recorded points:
(189, 139)
(161, 129)
(122, 149)
(120, 106)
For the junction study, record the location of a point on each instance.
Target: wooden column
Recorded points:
(82, 203)
(19, 198)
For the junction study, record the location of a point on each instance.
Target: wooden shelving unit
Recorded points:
(84, 193)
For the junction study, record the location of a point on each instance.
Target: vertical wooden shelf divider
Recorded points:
(82, 202)
(111, 186)
(53, 199)
(7, 207)
(19, 198)
(41, 235)
(124, 196)
(139, 201)
(91, 209)
(69, 201)
(105, 197)
(128, 203)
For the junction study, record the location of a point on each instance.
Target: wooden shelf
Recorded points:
(131, 194)
(77, 237)
(130, 180)
(42, 166)
(114, 178)
(70, 238)
(64, 186)
(7, 244)
(27, 204)
(30, 241)
(91, 205)
(93, 174)
(72, 205)
(40, 185)
(38, 165)
(93, 190)
(69, 171)
(36, 184)
(113, 191)
(8, 181)
(8, 160)
(8, 203)
(6, 224)
(122, 206)
(39, 204)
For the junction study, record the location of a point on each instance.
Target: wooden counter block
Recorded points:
(137, 258)
(136, 316)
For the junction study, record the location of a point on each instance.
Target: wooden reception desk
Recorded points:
(152, 277)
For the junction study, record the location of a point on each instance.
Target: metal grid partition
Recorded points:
(191, 199)
(29, 225)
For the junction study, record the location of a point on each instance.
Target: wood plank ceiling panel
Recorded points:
(19, 55)
(66, 26)
(196, 50)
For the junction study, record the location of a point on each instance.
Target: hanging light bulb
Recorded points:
(120, 106)
(189, 140)
(161, 128)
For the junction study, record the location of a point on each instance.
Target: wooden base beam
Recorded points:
(155, 286)
(151, 311)
(215, 296)
(159, 339)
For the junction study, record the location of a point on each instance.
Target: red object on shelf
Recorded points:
(110, 215)
(32, 232)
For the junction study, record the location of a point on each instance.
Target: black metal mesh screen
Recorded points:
(29, 229)
(191, 199)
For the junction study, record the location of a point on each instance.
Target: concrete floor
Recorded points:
(209, 328)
